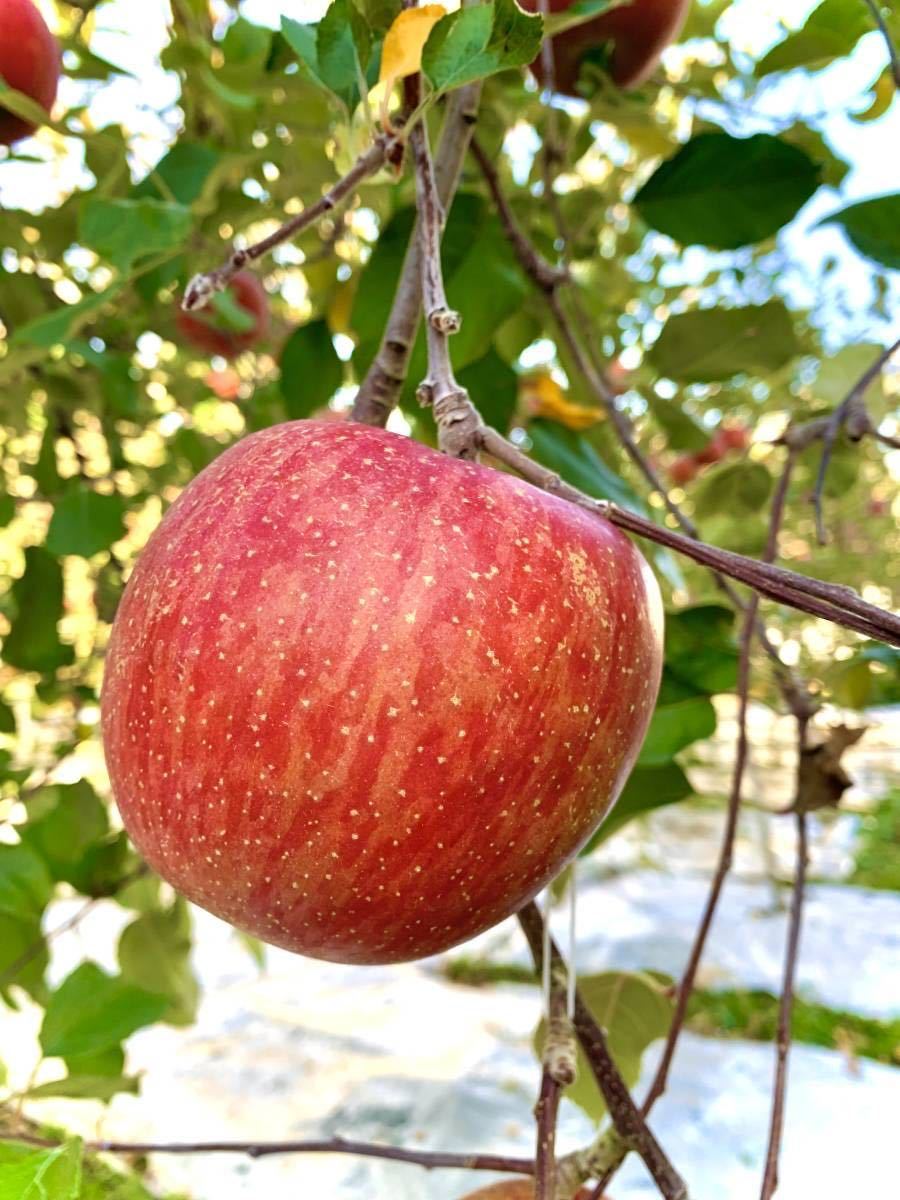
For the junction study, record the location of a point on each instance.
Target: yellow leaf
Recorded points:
(883, 97)
(541, 396)
(404, 42)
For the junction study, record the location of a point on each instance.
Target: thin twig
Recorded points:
(785, 1010)
(833, 602)
(380, 391)
(629, 1124)
(456, 418)
(729, 833)
(549, 281)
(203, 286)
(558, 1068)
(337, 1145)
(875, 9)
(851, 414)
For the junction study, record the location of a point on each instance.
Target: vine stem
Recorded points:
(202, 287)
(429, 1159)
(729, 833)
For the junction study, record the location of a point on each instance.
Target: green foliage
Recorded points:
(27, 1173)
(877, 854)
(754, 1015)
(831, 31)
(708, 345)
(635, 1009)
(873, 226)
(725, 192)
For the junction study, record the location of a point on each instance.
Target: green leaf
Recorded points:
(154, 952)
(726, 192)
(85, 522)
(337, 52)
(700, 648)
(91, 1011)
(63, 323)
(710, 344)
(51, 1174)
(681, 430)
(45, 471)
(32, 643)
(476, 42)
(125, 231)
(61, 836)
(831, 31)
(87, 1087)
(108, 1062)
(737, 489)
(181, 174)
(575, 459)
(7, 509)
(494, 388)
(675, 726)
(7, 718)
(647, 789)
(873, 226)
(25, 885)
(635, 1011)
(311, 371)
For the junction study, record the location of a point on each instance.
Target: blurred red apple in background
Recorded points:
(639, 32)
(683, 470)
(364, 700)
(29, 63)
(209, 331)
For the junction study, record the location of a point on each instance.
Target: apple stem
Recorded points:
(380, 390)
(203, 287)
(457, 419)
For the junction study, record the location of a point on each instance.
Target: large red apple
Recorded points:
(29, 63)
(364, 700)
(638, 31)
(207, 332)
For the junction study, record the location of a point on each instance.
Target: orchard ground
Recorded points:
(406, 1055)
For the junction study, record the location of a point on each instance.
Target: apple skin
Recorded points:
(201, 331)
(29, 62)
(363, 700)
(640, 32)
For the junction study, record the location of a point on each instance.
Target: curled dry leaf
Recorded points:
(822, 778)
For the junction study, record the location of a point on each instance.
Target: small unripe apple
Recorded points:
(206, 330)
(638, 31)
(29, 63)
(683, 470)
(363, 700)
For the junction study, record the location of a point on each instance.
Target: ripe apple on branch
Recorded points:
(29, 63)
(636, 32)
(365, 701)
